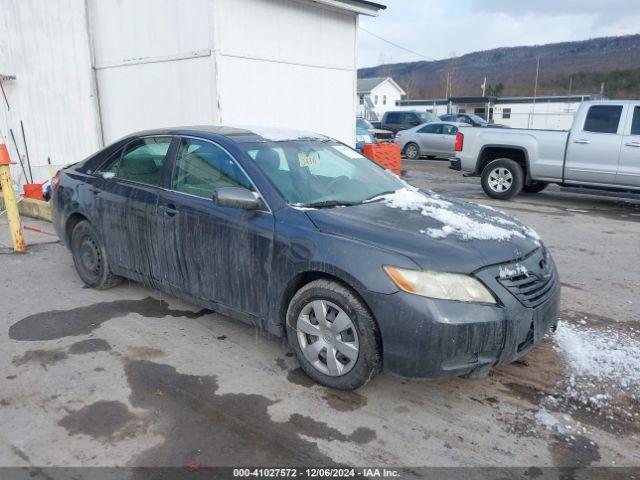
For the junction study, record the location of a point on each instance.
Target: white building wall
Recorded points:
(378, 94)
(542, 115)
(296, 69)
(45, 45)
(153, 64)
(158, 63)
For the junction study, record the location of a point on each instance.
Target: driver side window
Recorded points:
(202, 166)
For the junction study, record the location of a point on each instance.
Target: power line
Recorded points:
(397, 46)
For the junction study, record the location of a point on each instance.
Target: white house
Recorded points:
(377, 95)
(547, 112)
(82, 73)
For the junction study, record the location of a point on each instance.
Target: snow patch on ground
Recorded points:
(465, 225)
(603, 355)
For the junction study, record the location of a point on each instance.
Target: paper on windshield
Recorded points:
(308, 159)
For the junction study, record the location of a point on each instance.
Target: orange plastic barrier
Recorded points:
(387, 155)
(33, 190)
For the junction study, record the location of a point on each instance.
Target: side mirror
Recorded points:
(236, 197)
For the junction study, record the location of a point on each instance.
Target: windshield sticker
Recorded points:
(308, 159)
(347, 151)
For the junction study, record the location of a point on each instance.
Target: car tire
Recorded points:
(412, 151)
(90, 257)
(502, 179)
(360, 338)
(535, 187)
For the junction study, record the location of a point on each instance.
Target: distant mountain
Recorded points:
(579, 67)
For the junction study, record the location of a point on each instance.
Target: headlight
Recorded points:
(446, 286)
(364, 138)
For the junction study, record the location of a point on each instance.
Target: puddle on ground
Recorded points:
(89, 346)
(44, 358)
(99, 420)
(202, 427)
(56, 324)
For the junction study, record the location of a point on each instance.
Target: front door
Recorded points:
(593, 152)
(629, 168)
(214, 253)
(126, 202)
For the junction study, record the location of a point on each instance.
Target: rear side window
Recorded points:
(635, 123)
(143, 159)
(431, 128)
(393, 117)
(603, 118)
(449, 129)
(203, 166)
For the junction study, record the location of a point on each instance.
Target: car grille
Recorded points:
(531, 288)
(385, 135)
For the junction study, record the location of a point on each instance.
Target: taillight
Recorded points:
(55, 181)
(459, 141)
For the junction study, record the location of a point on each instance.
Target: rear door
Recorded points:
(593, 152)
(126, 202)
(448, 140)
(629, 167)
(214, 253)
(429, 139)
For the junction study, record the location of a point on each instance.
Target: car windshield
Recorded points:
(478, 119)
(362, 123)
(427, 117)
(321, 174)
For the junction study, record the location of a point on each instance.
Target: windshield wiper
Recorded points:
(375, 197)
(330, 203)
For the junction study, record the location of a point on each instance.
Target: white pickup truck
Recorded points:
(602, 150)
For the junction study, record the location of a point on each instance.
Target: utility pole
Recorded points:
(535, 92)
(484, 86)
(10, 203)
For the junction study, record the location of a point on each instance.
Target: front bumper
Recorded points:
(429, 338)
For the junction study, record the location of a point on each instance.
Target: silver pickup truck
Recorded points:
(602, 150)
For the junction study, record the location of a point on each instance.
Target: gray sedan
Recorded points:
(435, 139)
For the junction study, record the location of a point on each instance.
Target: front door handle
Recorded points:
(170, 210)
(583, 141)
(633, 144)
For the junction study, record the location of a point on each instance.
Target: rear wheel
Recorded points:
(502, 179)
(412, 151)
(535, 187)
(333, 335)
(90, 257)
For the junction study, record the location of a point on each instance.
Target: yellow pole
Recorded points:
(10, 202)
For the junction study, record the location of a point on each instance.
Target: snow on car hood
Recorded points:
(436, 232)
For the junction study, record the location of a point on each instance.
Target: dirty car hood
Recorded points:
(436, 233)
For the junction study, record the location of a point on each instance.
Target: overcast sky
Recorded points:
(439, 29)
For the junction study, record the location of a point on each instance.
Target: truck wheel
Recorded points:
(90, 258)
(535, 187)
(502, 179)
(412, 151)
(333, 335)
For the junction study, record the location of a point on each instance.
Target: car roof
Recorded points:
(237, 134)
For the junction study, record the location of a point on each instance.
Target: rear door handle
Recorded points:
(170, 210)
(582, 141)
(633, 144)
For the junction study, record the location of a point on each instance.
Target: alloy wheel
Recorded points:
(327, 337)
(411, 152)
(500, 180)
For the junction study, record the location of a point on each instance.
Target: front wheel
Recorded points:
(412, 151)
(333, 335)
(90, 257)
(502, 179)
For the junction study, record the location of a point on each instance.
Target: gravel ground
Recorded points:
(129, 377)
